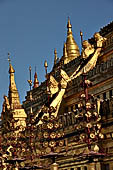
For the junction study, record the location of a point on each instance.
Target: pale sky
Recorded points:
(31, 29)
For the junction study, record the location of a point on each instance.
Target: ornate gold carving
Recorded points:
(52, 85)
(90, 54)
(99, 39)
(6, 105)
(87, 49)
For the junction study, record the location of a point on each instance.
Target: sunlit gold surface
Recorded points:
(71, 46)
(13, 92)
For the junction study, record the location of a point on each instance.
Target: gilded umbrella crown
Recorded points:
(11, 69)
(69, 26)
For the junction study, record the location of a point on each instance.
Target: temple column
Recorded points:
(91, 166)
(54, 166)
(94, 166)
(98, 166)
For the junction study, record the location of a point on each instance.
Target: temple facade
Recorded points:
(102, 79)
(73, 153)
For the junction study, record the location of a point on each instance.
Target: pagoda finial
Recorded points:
(45, 65)
(11, 69)
(55, 56)
(69, 26)
(30, 80)
(81, 35)
(36, 82)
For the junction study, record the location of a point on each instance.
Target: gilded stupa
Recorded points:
(12, 108)
(71, 49)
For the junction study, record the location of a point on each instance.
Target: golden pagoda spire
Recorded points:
(36, 82)
(72, 47)
(64, 51)
(14, 100)
(11, 105)
(55, 57)
(65, 56)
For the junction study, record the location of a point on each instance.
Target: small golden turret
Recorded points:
(14, 100)
(36, 82)
(65, 56)
(11, 69)
(65, 51)
(11, 105)
(55, 57)
(46, 66)
(71, 46)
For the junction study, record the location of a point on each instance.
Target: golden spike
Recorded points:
(65, 51)
(69, 26)
(55, 56)
(45, 65)
(30, 81)
(81, 35)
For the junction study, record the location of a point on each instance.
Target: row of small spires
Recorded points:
(70, 51)
(36, 82)
(11, 70)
